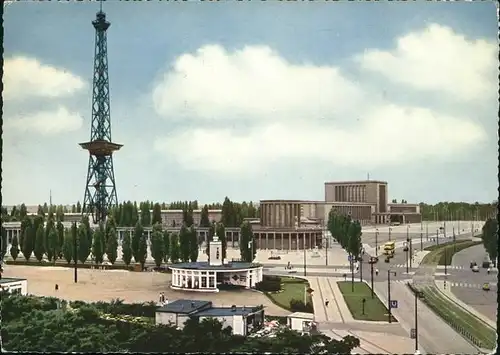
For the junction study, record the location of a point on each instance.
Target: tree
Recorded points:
(14, 248)
(247, 243)
(142, 251)
(23, 211)
(204, 221)
(354, 246)
(490, 239)
(187, 217)
(145, 215)
(175, 252)
(53, 245)
(39, 249)
(228, 214)
(3, 250)
(78, 207)
(49, 249)
(166, 243)
(112, 245)
(98, 244)
(221, 233)
(74, 240)
(60, 235)
(157, 247)
(184, 241)
(28, 239)
(138, 233)
(193, 244)
(126, 249)
(110, 224)
(157, 214)
(59, 213)
(68, 246)
(83, 245)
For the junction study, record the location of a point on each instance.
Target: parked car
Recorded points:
(475, 268)
(373, 260)
(486, 286)
(472, 264)
(486, 264)
(387, 259)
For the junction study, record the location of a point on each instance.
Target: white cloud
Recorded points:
(273, 110)
(388, 135)
(254, 83)
(27, 77)
(47, 123)
(439, 60)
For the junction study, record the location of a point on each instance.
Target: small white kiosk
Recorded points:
(206, 276)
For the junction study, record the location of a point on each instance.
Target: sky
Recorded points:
(255, 100)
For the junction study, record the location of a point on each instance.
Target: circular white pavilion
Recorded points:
(203, 276)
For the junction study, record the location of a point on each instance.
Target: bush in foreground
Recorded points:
(41, 324)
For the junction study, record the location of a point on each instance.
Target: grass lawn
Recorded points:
(437, 252)
(292, 288)
(375, 310)
(464, 322)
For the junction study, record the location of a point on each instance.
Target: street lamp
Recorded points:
(390, 229)
(418, 294)
(361, 265)
(445, 261)
(304, 245)
(437, 236)
(371, 276)
(376, 241)
(409, 242)
(389, 272)
(327, 237)
(406, 251)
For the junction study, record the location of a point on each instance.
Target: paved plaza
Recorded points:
(99, 285)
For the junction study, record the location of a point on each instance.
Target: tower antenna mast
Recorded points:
(100, 188)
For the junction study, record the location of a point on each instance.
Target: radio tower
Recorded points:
(100, 189)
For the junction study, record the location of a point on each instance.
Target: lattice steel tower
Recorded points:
(100, 189)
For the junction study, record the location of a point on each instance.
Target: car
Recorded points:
(373, 260)
(486, 286)
(486, 264)
(405, 249)
(387, 259)
(475, 268)
(472, 264)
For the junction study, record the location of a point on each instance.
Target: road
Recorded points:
(434, 334)
(465, 284)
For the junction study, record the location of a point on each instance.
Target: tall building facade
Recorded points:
(367, 199)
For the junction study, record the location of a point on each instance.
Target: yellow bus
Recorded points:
(389, 248)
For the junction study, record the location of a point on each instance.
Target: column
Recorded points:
(248, 279)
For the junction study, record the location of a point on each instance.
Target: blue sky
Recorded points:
(255, 100)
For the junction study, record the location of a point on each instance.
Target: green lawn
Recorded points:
(437, 252)
(375, 310)
(462, 321)
(292, 288)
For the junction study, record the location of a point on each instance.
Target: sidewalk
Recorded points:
(446, 292)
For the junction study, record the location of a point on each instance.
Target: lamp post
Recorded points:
(445, 260)
(371, 277)
(454, 240)
(361, 265)
(417, 295)
(427, 231)
(376, 241)
(75, 257)
(421, 240)
(390, 229)
(389, 308)
(304, 245)
(437, 236)
(409, 243)
(326, 245)
(406, 251)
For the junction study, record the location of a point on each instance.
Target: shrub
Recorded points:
(300, 306)
(269, 283)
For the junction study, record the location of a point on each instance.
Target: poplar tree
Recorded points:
(39, 242)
